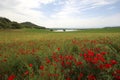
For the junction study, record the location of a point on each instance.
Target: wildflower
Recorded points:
(118, 71)
(80, 55)
(78, 63)
(56, 60)
(30, 65)
(63, 64)
(85, 55)
(90, 53)
(58, 49)
(103, 53)
(117, 77)
(107, 66)
(47, 61)
(26, 72)
(68, 78)
(11, 77)
(68, 63)
(80, 76)
(71, 57)
(41, 67)
(100, 57)
(113, 62)
(91, 77)
(61, 57)
(33, 50)
(101, 66)
(95, 60)
(116, 74)
(5, 60)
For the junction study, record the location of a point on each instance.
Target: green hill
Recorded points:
(31, 25)
(101, 30)
(8, 24)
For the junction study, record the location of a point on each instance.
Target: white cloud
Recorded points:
(100, 21)
(68, 16)
(21, 10)
(78, 6)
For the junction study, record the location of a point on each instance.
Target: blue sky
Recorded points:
(63, 13)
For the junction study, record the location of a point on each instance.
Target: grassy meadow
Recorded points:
(33, 54)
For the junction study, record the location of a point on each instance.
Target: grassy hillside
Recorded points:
(100, 30)
(31, 25)
(8, 24)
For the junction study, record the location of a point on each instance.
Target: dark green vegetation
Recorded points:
(8, 24)
(31, 25)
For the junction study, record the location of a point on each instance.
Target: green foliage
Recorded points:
(51, 29)
(7, 24)
(2, 25)
(101, 30)
(15, 25)
(31, 25)
(64, 30)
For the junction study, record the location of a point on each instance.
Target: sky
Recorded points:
(63, 13)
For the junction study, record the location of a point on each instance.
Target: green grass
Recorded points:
(35, 34)
(31, 54)
(101, 30)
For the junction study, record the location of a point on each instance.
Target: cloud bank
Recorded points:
(63, 13)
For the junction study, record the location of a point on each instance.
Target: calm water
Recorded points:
(63, 31)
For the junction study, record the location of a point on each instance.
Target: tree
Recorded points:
(15, 25)
(51, 29)
(4, 23)
(64, 30)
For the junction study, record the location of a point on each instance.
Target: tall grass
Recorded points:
(44, 55)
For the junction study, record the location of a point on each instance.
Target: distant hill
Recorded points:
(113, 27)
(31, 25)
(8, 24)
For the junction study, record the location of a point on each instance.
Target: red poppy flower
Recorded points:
(11, 77)
(80, 55)
(91, 77)
(113, 62)
(68, 63)
(68, 78)
(30, 65)
(47, 61)
(41, 67)
(118, 71)
(90, 53)
(80, 76)
(58, 49)
(107, 66)
(78, 63)
(26, 73)
(63, 64)
(117, 77)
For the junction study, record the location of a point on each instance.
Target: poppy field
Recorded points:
(45, 55)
